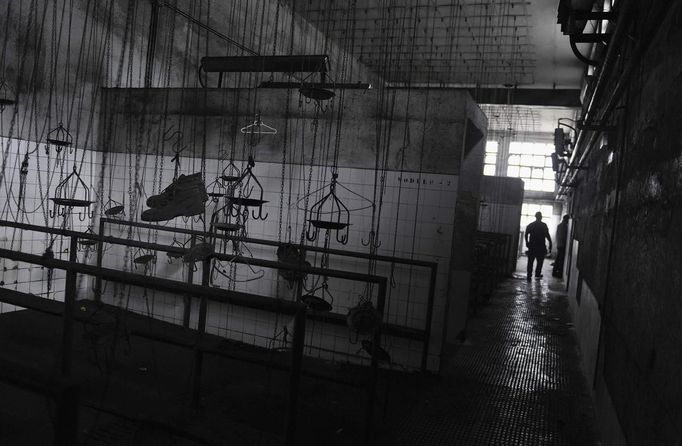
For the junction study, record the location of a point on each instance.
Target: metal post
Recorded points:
(186, 298)
(100, 254)
(69, 305)
(429, 317)
(295, 375)
(201, 329)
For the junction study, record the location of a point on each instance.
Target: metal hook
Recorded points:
(234, 211)
(343, 239)
(372, 241)
(311, 232)
(311, 236)
(259, 216)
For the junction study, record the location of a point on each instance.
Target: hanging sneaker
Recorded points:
(182, 198)
(166, 195)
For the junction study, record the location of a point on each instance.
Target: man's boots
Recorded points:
(183, 197)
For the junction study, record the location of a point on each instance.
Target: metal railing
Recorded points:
(204, 293)
(423, 335)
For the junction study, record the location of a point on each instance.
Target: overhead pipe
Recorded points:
(579, 55)
(591, 114)
(612, 54)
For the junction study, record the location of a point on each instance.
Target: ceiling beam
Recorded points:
(549, 97)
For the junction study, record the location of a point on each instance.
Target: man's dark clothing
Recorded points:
(534, 255)
(536, 233)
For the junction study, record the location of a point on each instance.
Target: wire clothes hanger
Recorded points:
(258, 128)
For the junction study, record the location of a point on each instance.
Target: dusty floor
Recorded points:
(514, 381)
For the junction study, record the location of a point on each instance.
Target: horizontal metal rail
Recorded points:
(333, 318)
(253, 301)
(390, 328)
(339, 252)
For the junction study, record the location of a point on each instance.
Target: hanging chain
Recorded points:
(310, 173)
(274, 44)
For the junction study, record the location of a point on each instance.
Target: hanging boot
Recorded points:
(184, 197)
(182, 182)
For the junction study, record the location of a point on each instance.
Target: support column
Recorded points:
(69, 305)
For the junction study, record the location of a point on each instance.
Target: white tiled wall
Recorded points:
(424, 211)
(44, 174)
(422, 206)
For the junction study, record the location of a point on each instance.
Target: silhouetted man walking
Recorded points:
(536, 233)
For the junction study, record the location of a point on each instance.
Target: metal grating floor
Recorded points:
(515, 381)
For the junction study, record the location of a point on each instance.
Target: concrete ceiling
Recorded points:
(485, 43)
